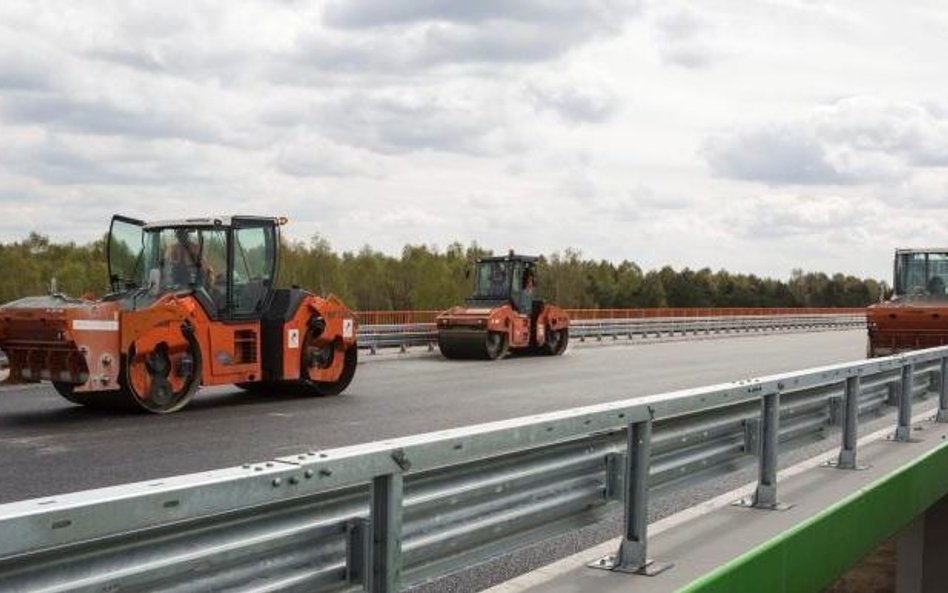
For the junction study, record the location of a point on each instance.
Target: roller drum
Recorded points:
(472, 344)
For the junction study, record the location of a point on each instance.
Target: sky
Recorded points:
(755, 136)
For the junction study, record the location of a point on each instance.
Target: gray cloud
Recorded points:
(308, 155)
(420, 48)
(851, 141)
(76, 161)
(576, 100)
(685, 39)
(22, 72)
(498, 42)
(104, 117)
(434, 33)
(772, 155)
(368, 13)
(406, 120)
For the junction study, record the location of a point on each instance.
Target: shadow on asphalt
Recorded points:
(214, 400)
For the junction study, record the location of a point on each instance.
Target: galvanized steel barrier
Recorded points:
(409, 317)
(382, 516)
(406, 335)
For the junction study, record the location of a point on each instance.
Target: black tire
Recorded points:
(555, 341)
(327, 388)
(496, 345)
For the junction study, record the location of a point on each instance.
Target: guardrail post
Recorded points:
(765, 496)
(903, 431)
(850, 422)
(632, 555)
(385, 525)
(942, 415)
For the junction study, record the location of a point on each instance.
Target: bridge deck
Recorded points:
(705, 538)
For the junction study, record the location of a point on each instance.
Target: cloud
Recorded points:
(773, 154)
(606, 202)
(106, 118)
(368, 13)
(433, 33)
(76, 160)
(686, 38)
(581, 98)
(782, 215)
(916, 132)
(925, 190)
(856, 140)
(308, 155)
(22, 71)
(641, 204)
(470, 121)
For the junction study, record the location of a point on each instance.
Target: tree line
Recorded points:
(427, 278)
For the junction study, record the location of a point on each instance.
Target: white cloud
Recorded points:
(857, 140)
(915, 132)
(784, 214)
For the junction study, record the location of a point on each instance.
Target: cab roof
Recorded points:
(919, 250)
(216, 221)
(509, 257)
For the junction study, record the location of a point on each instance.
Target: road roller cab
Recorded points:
(193, 303)
(502, 314)
(916, 313)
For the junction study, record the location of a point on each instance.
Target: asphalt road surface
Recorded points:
(50, 446)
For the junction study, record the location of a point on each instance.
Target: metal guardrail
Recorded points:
(387, 317)
(385, 515)
(374, 337)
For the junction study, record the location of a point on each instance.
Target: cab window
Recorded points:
(252, 273)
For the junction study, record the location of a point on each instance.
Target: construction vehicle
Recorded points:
(502, 315)
(193, 303)
(916, 313)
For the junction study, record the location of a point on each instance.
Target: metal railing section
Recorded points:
(373, 337)
(428, 315)
(385, 515)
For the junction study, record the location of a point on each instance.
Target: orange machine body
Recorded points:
(916, 313)
(520, 329)
(502, 315)
(896, 326)
(154, 348)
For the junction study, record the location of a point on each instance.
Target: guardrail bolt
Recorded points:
(398, 456)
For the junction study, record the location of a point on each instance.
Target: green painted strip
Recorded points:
(809, 557)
